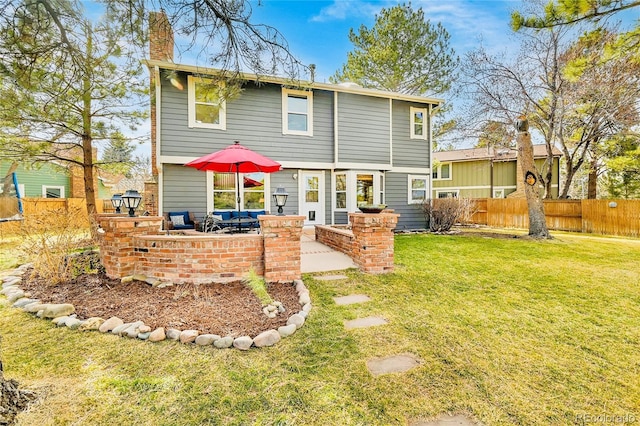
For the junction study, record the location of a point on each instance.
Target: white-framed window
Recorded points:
(52, 191)
(447, 194)
(252, 190)
(297, 112)
(207, 108)
(341, 192)
(498, 193)
(418, 123)
(442, 171)
(418, 188)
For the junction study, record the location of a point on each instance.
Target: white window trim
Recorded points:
(334, 190)
(191, 85)
(424, 111)
(411, 178)
(211, 189)
(45, 187)
(498, 191)
(285, 111)
(455, 191)
(439, 169)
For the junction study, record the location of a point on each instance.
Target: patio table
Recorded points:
(239, 221)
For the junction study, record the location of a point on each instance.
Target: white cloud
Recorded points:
(347, 9)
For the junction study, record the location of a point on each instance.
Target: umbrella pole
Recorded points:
(238, 193)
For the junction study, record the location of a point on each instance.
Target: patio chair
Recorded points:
(180, 220)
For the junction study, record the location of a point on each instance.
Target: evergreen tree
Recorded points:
(402, 53)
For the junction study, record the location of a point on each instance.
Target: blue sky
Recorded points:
(317, 30)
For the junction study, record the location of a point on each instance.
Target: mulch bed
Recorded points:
(224, 309)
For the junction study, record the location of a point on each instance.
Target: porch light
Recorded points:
(131, 200)
(116, 202)
(280, 198)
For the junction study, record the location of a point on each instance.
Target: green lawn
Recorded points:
(509, 331)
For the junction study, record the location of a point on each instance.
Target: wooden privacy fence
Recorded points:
(36, 211)
(609, 217)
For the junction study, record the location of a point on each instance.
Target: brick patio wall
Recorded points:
(369, 242)
(281, 247)
(138, 246)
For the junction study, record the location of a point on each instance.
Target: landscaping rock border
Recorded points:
(62, 315)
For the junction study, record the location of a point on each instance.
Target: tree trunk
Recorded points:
(537, 220)
(12, 399)
(8, 180)
(592, 188)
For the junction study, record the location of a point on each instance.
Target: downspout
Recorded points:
(335, 156)
(156, 76)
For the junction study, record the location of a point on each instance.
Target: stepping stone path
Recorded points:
(392, 364)
(364, 322)
(458, 420)
(351, 299)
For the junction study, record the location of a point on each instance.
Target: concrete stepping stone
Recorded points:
(457, 420)
(331, 277)
(351, 299)
(365, 322)
(392, 364)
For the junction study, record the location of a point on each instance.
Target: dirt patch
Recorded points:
(224, 309)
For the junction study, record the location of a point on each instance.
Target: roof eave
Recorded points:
(302, 83)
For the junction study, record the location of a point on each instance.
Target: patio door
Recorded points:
(312, 197)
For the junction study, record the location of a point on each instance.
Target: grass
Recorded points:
(509, 331)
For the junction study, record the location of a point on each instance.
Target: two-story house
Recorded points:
(339, 145)
(485, 172)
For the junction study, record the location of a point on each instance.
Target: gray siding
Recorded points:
(407, 152)
(254, 118)
(283, 178)
(184, 188)
(341, 218)
(363, 129)
(396, 185)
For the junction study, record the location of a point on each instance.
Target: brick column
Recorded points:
(117, 241)
(373, 245)
(281, 236)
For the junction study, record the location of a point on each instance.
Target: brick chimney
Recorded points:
(160, 37)
(161, 45)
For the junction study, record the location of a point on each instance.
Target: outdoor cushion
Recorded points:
(256, 214)
(177, 220)
(243, 213)
(224, 215)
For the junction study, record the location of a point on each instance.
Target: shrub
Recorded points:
(50, 240)
(442, 213)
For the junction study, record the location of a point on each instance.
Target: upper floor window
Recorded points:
(206, 105)
(442, 171)
(297, 112)
(418, 123)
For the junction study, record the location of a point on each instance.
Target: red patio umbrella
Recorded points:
(235, 158)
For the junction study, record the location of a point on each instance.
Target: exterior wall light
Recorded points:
(116, 202)
(280, 199)
(131, 200)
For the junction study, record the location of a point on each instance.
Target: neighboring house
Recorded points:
(484, 172)
(51, 180)
(339, 145)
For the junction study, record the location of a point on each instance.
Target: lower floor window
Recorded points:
(418, 186)
(354, 188)
(251, 189)
(53, 191)
(364, 189)
(447, 194)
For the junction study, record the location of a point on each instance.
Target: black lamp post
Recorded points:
(131, 200)
(116, 202)
(280, 198)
